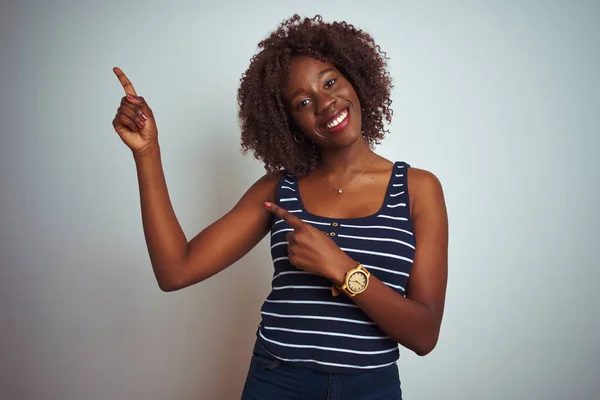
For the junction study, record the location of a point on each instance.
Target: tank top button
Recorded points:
(331, 233)
(335, 224)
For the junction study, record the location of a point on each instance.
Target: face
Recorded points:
(322, 103)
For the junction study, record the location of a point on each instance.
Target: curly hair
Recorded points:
(266, 127)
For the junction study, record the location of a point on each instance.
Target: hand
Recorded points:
(134, 121)
(313, 250)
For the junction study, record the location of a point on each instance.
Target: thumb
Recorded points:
(140, 103)
(137, 100)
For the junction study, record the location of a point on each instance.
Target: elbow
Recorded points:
(168, 287)
(171, 282)
(422, 351)
(426, 345)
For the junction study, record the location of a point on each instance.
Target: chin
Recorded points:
(342, 140)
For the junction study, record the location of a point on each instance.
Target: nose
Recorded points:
(325, 103)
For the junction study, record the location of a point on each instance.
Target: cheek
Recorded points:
(303, 121)
(356, 103)
(354, 96)
(293, 118)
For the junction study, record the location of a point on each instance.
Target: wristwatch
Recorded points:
(355, 282)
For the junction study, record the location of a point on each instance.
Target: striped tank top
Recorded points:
(301, 322)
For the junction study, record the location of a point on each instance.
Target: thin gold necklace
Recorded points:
(341, 190)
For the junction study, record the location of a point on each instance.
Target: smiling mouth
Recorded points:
(340, 118)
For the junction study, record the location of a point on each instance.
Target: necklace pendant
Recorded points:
(339, 190)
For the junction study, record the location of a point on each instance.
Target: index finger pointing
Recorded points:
(291, 219)
(124, 81)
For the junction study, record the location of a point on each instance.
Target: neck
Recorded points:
(344, 162)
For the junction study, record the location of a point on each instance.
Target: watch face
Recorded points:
(357, 281)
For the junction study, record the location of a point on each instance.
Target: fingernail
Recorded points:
(142, 124)
(144, 116)
(130, 97)
(267, 204)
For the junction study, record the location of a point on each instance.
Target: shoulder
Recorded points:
(425, 190)
(265, 187)
(271, 179)
(422, 179)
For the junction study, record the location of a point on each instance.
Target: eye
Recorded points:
(330, 83)
(303, 103)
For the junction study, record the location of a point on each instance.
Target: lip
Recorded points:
(341, 126)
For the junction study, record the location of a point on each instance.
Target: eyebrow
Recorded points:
(319, 76)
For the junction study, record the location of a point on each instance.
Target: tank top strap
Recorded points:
(287, 193)
(395, 205)
(399, 186)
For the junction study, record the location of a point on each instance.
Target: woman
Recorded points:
(348, 228)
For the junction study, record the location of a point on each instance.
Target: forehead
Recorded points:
(304, 70)
(300, 63)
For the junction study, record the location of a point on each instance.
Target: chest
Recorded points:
(363, 198)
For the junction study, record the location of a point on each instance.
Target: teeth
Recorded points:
(339, 119)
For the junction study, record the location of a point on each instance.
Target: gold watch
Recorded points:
(355, 282)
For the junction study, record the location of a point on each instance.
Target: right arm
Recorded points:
(177, 263)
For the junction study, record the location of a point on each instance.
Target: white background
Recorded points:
(499, 99)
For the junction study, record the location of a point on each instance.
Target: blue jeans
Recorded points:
(272, 379)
